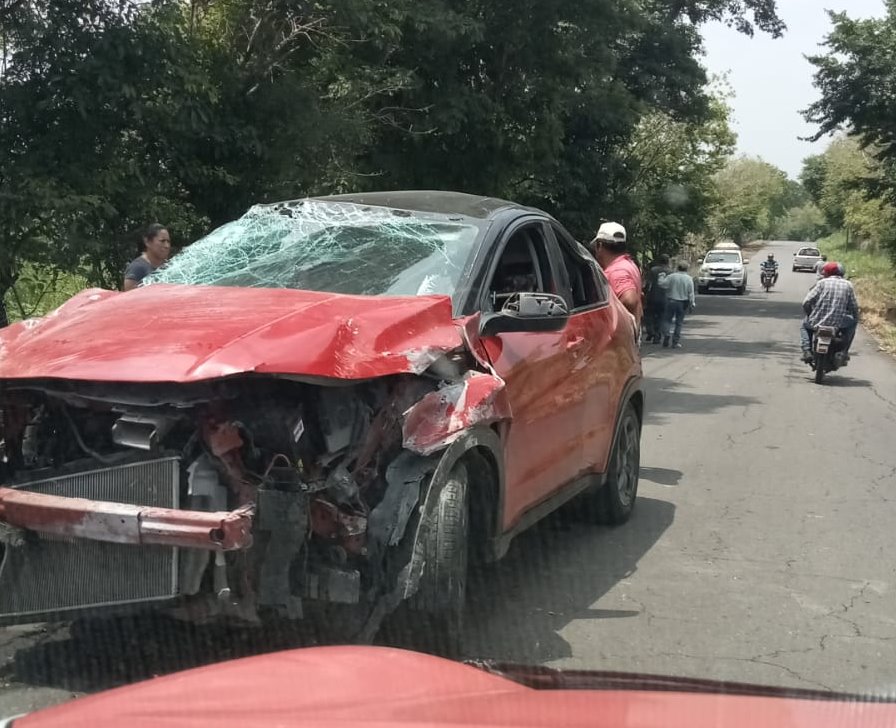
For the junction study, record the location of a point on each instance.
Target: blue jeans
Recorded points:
(675, 311)
(848, 328)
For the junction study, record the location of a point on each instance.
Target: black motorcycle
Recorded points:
(828, 353)
(767, 278)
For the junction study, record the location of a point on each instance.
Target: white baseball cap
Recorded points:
(612, 232)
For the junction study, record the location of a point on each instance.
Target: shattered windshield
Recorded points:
(329, 246)
(723, 258)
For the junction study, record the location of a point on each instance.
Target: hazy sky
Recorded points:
(772, 79)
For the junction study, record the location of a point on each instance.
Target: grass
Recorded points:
(39, 290)
(874, 277)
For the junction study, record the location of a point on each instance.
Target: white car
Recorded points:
(723, 269)
(805, 259)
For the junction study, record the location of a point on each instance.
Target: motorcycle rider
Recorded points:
(770, 265)
(818, 266)
(832, 302)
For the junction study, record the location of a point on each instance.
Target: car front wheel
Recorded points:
(434, 615)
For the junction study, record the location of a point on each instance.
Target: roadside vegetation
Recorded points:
(853, 183)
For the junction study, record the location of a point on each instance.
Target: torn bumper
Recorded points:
(126, 524)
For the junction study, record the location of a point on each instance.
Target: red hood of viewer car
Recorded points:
(168, 333)
(342, 687)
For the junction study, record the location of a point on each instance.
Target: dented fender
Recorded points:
(442, 416)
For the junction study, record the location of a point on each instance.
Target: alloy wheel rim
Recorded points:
(627, 463)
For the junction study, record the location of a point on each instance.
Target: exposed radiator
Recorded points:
(52, 576)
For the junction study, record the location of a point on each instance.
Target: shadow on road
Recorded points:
(668, 397)
(554, 574)
(123, 651)
(843, 381)
(661, 476)
(759, 305)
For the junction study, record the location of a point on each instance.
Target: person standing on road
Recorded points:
(679, 287)
(819, 266)
(655, 299)
(610, 248)
(156, 249)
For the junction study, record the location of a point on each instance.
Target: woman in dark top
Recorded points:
(156, 248)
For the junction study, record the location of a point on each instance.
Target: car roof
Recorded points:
(432, 201)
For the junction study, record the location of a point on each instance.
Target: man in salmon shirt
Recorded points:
(611, 250)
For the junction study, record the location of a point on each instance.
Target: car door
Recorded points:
(543, 447)
(597, 369)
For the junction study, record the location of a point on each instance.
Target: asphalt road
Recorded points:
(758, 550)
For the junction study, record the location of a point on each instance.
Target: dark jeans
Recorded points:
(848, 328)
(654, 312)
(675, 311)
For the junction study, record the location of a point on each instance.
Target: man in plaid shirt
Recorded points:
(832, 302)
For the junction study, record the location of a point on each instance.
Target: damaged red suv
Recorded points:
(329, 401)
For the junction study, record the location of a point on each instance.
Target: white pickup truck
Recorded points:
(723, 268)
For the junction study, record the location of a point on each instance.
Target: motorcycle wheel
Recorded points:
(819, 369)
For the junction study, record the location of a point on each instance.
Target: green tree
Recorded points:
(842, 181)
(804, 223)
(674, 188)
(752, 196)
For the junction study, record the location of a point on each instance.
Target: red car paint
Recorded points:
(167, 333)
(558, 393)
(371, 686)
(564, 389)
(441, 417)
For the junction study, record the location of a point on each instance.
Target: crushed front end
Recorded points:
(234, 498)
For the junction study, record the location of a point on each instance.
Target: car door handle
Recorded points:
(575, 342)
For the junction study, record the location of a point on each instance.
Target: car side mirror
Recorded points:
(527, 313)
(700, 261)
(746, 261)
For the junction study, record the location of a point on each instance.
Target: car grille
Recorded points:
(52, 575)
(719, 273)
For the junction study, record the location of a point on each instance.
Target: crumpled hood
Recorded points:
(169, 333)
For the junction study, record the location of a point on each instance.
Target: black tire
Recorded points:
(615, 500)
(435, 614)
(794, 269)
(742, 290)
(819, 369)
(702, 290)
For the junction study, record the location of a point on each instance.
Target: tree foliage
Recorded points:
(117, 113)
(674, 188)
(753, 196)
(842, 182)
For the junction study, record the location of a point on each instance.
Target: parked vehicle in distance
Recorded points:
(805, 259)
(328, 401)
(723, 269)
